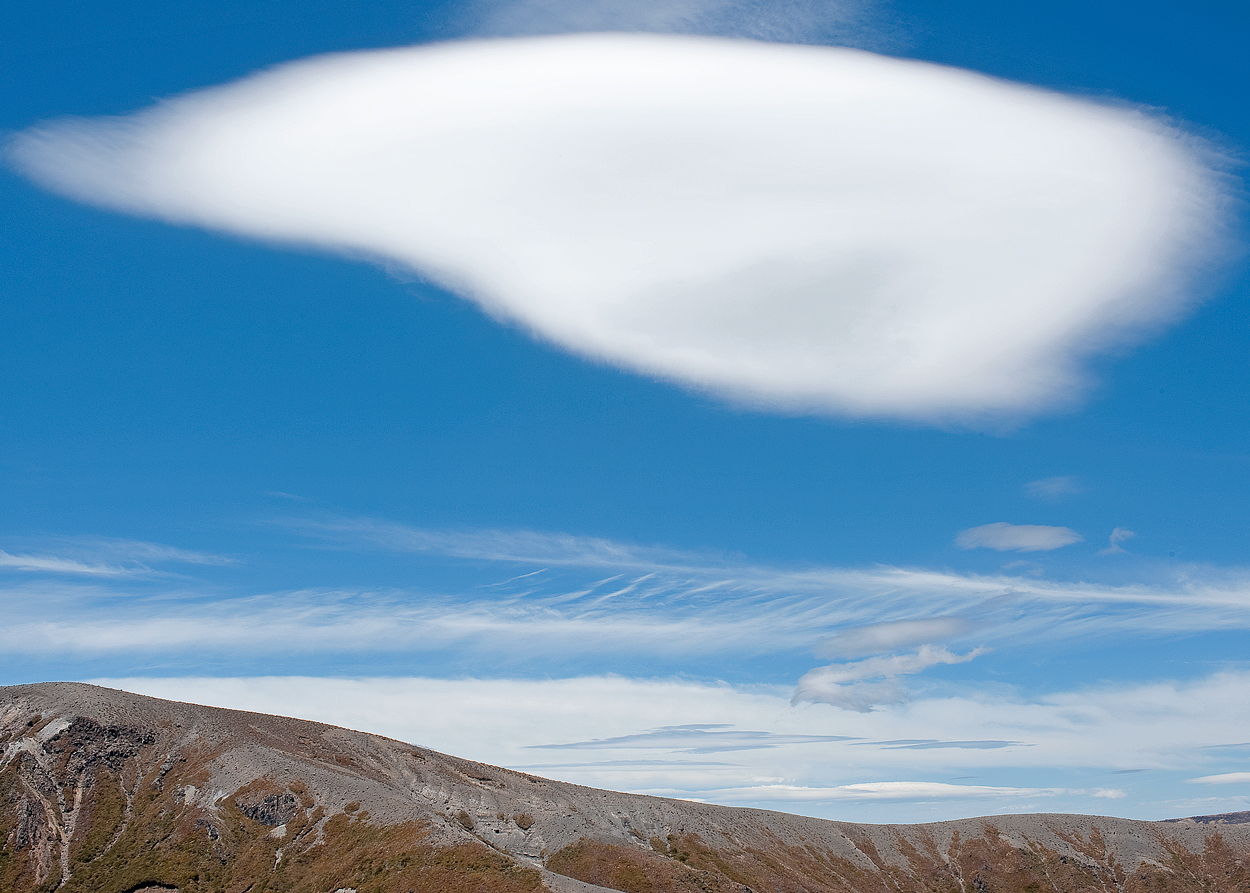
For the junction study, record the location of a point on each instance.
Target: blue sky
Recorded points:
(555, 514)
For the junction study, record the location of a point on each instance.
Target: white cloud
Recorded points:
(842, 685)
(1118, 535)
(1225, 778)
(1017, 537)
(893, 665)
(1054, 488)
(796, 228)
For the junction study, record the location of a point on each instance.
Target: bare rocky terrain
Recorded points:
(102, 791)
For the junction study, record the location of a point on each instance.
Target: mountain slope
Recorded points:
(109, 792)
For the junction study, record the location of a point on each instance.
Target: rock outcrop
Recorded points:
(103, 791)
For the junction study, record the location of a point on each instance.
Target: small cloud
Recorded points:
(278, 494)
(1109, 793)
(1226, 778)
(1055, 488)
(847, 686)
(1119, 535)
(1017, 537)
(861, 641)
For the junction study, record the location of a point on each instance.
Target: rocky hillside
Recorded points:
(107, 792)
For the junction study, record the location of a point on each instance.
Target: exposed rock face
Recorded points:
(107, 792)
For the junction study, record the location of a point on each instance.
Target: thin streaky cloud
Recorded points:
(1226, 778)
(665, 603)
(526, 546)
(52, 564)
(693, 572)
(125, 555)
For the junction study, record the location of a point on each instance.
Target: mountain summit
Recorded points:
(103, 791)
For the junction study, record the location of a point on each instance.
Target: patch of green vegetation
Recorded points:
(634, 870)
(603, 864)
(102, 810)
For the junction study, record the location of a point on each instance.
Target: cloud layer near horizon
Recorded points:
(795, 228)
(745, 745)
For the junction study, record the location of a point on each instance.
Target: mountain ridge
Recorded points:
(111, 792)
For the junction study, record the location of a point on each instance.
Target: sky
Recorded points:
(831, 408)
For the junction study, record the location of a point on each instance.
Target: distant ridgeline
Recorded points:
(107, 792)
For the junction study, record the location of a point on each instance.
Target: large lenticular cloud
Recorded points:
(796, 228)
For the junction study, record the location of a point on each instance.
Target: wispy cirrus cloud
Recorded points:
(876, 605)
(57, 565)
(591, 599)
(95, 556)
(525, 546)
